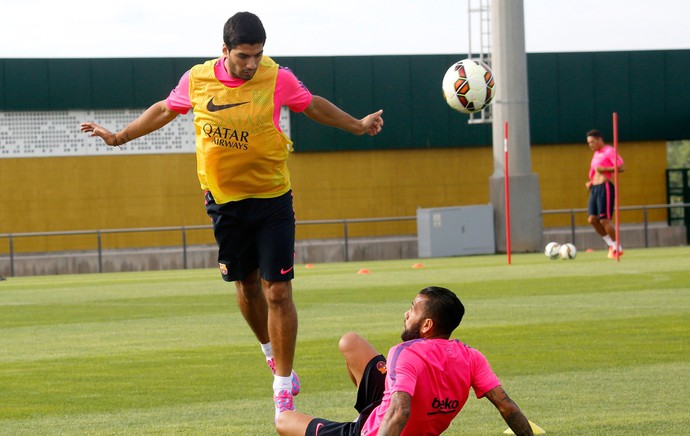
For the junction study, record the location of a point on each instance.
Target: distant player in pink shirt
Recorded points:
(421, 387)
(601, 189)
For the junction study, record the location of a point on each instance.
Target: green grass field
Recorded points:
(584, 347)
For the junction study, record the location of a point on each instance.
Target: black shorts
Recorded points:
(601, 201)
(254, 233)
(369, 395)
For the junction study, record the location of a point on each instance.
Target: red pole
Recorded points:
(615, 186)
(507, 188)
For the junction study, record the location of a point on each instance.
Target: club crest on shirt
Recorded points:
(223, 268)
(381, 367)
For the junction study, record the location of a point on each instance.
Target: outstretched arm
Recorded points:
(397, 414)
(325, 112)
(155, 117)
(510, 411)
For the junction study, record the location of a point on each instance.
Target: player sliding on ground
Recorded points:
(422, 385)
(241, 163)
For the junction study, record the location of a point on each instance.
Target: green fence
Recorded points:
(569, 94)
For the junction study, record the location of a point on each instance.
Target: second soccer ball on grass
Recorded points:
(567, 251)
(552, 250)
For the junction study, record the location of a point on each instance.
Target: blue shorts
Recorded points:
(254, 233)
(369, 396)
(601, 201)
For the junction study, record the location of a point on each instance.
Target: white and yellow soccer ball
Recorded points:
(469, 86)
(567, 251)
(552, 250)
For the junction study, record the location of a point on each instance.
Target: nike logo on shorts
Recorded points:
(285, 271)
(212, 107)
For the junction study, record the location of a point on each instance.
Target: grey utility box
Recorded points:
(455, 231)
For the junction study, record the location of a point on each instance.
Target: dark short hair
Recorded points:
(444, 308)
(243, 28)
(595, 133)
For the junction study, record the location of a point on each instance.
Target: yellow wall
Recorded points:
(563, 171)
(86, 193)
(131, 191)
(386, 184)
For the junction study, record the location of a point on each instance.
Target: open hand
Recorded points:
(96, 130)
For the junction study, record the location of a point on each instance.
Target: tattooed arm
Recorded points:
(510, 411)
(397, 414)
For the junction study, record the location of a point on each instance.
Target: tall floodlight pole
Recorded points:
(509, 65)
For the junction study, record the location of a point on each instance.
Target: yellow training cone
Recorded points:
(535, 429)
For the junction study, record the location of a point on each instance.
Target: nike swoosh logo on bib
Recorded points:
(212, 107)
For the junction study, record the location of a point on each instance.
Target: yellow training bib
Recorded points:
(240, 152)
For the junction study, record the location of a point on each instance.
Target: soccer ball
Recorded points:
(552, 250)
(567, 251)
(468, 86)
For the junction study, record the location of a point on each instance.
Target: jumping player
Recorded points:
(423, 384)
(601, 189)
(241, 164)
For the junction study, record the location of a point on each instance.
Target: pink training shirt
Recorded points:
(438, 374)
(289, 91)
(605, 157)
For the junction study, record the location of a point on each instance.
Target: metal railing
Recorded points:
(99, 240)
(346, 222)
(645, 214)
(11, 237)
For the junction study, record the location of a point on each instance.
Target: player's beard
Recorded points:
(414, 332)
(247, 74)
